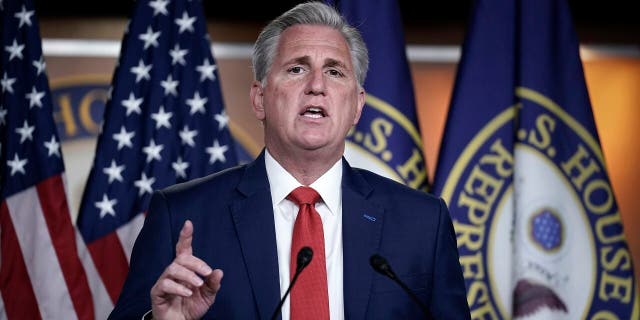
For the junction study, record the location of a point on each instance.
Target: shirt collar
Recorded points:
(282, 183)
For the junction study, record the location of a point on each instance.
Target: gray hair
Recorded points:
(309, 13)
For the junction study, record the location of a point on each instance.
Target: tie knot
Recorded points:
(304, 195)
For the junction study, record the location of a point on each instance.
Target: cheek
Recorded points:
(276, 111)
(354, 119)
(284, 101)
(279, 96)
(357, 113)
(348, 120)
(354, 109)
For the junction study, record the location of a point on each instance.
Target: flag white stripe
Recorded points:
(102, 304)
(101, 301)
(3, 314)
(128, 233)
(41, 260)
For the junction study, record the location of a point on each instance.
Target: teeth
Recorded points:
(313, 112)
(313, 115)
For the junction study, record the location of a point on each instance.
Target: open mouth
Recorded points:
(313, 112)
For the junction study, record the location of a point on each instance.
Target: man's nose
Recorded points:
(316, 83)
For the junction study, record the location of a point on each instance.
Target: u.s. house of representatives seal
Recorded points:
(385, 141)
(541, 236)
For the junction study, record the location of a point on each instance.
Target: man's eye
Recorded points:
(295, 70)
(335, 73)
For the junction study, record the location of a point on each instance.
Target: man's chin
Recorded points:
(312, 142)
(322, 147)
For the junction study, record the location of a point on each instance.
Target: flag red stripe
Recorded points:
(111, 263)
(18, 296)
(56, 213)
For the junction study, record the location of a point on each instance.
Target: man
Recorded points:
(250, 221)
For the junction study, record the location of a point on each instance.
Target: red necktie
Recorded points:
(309, 296)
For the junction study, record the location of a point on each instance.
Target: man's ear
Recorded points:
(361, 99)
(256, 95)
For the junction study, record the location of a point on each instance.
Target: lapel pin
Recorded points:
(370, 218)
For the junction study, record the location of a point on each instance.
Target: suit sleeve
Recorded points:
(152, 252)
(449, 298)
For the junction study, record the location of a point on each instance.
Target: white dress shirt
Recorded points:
(329, 186)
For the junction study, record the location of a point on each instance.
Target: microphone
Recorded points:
(303, 259)
(381, 265)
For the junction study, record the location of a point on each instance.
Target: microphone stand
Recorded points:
(381, 265)
(303, 259)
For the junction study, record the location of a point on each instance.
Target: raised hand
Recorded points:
(187, 288)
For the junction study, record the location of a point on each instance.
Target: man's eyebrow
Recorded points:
(328, 63)
(304, 60)
(334, 63)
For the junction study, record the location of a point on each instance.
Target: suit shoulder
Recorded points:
(388, 186)
(223, 180)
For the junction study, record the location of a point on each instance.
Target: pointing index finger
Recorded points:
(184, 241)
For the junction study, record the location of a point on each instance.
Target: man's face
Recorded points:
(311, 97)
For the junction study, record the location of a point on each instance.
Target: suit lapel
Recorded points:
(362, 222)
(253, 218)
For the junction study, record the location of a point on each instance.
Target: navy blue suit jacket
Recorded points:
(234, 230)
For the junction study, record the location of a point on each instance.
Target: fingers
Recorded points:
(213, 282)
(187, 272)
(186, 269)
(167, 286)
(194, 264)
(184, 241)
(181, 276)
(184, 252)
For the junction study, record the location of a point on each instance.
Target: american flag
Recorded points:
(164, 123)
(42, 274)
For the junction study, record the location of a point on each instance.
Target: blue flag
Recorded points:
(387, 138)
(164, 123)
(538, 228)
